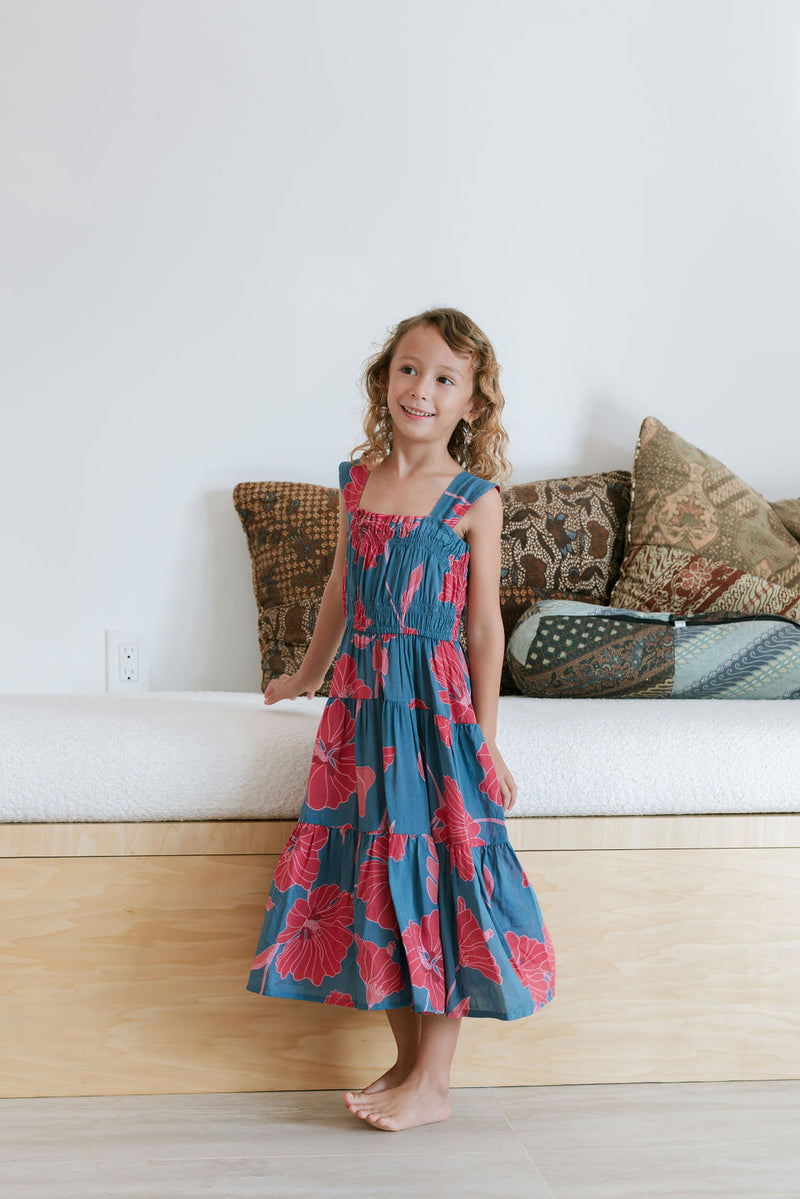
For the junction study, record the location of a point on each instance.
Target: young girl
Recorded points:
(398, 889)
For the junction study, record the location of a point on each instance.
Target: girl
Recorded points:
(398, 888)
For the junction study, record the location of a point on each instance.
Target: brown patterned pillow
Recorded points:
(699, 539)
(561, 539)
(291, 531)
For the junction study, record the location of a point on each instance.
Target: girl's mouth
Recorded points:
(416, 415)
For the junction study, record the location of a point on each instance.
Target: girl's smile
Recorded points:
(416, 414)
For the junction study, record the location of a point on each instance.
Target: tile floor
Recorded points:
(635, 1141)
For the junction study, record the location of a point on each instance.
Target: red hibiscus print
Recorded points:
(317, 935)
(488, 882)
(332, 779)
(461, 1009)
(454, 586)
(414, 582)
(453, 825)
(418, 703)
(389, 755)
(373, 890)
(339, 998)
(355, 485)
(299, 862)
(445, 729)
(370, 534)
(457, 511)
(380, 974)
(365, 777)
(345, 682)
(424, 954)
(490, 785)
(472, 949)
(262, 961)
(387, 843)
(454, 581)
(432, 881)
(380, 662)
(446, 664)
(533, 962)
(360, 621)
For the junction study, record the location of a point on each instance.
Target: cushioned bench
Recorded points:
(140, 831)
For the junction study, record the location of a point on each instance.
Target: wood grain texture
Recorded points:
(269, 836)
(125, 975)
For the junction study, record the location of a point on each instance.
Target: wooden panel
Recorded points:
(126, 975)
(269, 836)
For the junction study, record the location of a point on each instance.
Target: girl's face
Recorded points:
(430, 388)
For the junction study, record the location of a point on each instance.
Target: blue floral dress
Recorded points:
(398, 886)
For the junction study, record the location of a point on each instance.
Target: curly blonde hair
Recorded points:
(485, 452)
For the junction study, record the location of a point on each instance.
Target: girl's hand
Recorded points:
(508, 788)
(289, 686)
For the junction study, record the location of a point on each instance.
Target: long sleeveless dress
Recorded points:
(398, 886)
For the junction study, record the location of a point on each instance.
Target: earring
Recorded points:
(467, 433)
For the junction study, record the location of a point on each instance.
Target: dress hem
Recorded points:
(476, 1015)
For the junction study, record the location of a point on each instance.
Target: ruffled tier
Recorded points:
(386, 919)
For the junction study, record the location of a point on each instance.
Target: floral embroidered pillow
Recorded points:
(699, 539)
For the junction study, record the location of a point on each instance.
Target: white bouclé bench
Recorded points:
(139, 833)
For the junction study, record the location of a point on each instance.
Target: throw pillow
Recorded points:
(291, 531)
(576, 650)
(699, 539)
(561, 537)
(788, 512)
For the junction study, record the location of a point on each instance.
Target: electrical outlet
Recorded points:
(127, 660)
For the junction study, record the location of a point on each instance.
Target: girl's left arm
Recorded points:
(484, 626)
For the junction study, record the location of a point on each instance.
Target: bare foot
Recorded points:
(411, 1103)
(392, 1078)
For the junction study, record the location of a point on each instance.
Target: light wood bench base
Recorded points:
(126, 948)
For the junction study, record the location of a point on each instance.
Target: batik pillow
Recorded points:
(561, 537)
(576, 650)
(701, 540)
(291, 531)
(788, 512)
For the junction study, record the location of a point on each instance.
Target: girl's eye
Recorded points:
(406, 368)
(445, 379)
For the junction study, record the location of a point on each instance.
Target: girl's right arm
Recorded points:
(327, 635)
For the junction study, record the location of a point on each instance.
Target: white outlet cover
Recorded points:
(114, 639)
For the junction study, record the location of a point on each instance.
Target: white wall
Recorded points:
(213, 210)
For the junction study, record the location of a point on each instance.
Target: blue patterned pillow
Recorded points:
(569, 649)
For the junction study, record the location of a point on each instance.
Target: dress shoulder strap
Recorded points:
(352, 477)
(462, 493)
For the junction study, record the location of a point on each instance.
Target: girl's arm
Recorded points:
(327, 634)
(484, 625)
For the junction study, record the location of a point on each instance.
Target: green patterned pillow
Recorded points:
(567, 649)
